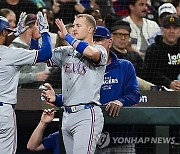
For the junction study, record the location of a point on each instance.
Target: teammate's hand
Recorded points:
(49, 94)
(21, 28)
(43, 25)
(48, 115)
(62, 29)
(42, 76)
(114, 107)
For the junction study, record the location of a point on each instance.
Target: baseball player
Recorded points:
(11, 60)
(83, 67)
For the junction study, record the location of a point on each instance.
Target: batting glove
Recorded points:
(21, 28)
(42, 23)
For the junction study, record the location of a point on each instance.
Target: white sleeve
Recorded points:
(20, 56)
(103, 60)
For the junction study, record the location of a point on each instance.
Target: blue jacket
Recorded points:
(120, 82)
(52, 142)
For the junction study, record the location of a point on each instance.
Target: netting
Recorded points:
(156, 57)
(160, 66)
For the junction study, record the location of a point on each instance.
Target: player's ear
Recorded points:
(91, 29)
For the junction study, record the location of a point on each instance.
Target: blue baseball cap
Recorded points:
(102, 32)
(4, 24)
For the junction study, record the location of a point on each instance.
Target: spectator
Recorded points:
(120, 33)
(36, 142)
(10, 16)
(97, 16)
(142, 28)
(30, 76)
(19, 6)
(176, 3)
(164, 10)
(67, 9)
(151, 12)
(162, 58)
(105, 6)
(107, 11)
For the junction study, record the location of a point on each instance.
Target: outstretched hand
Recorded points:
(48, 115)
(21, 28)
(62, 29)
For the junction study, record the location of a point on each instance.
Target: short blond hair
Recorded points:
(89, 18)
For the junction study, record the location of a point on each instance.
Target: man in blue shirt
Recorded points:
(36, 143)
(120, 86)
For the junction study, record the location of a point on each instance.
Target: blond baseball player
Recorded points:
(83, 66)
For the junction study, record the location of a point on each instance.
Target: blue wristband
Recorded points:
(81, 46)
(70, 39)
(58, 101)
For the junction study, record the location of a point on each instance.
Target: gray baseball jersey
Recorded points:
(81, 78)
(11, 61)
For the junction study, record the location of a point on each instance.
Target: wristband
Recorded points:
(70, 39)
(58, 101)
(80, 47)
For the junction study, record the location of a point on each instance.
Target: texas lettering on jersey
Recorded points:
(76, 68)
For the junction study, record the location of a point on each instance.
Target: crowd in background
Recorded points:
(145, 21)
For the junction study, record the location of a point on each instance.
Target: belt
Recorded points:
(13, 105)
(76, 108)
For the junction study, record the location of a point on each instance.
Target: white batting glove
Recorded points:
(43, 25)
(21, 28)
